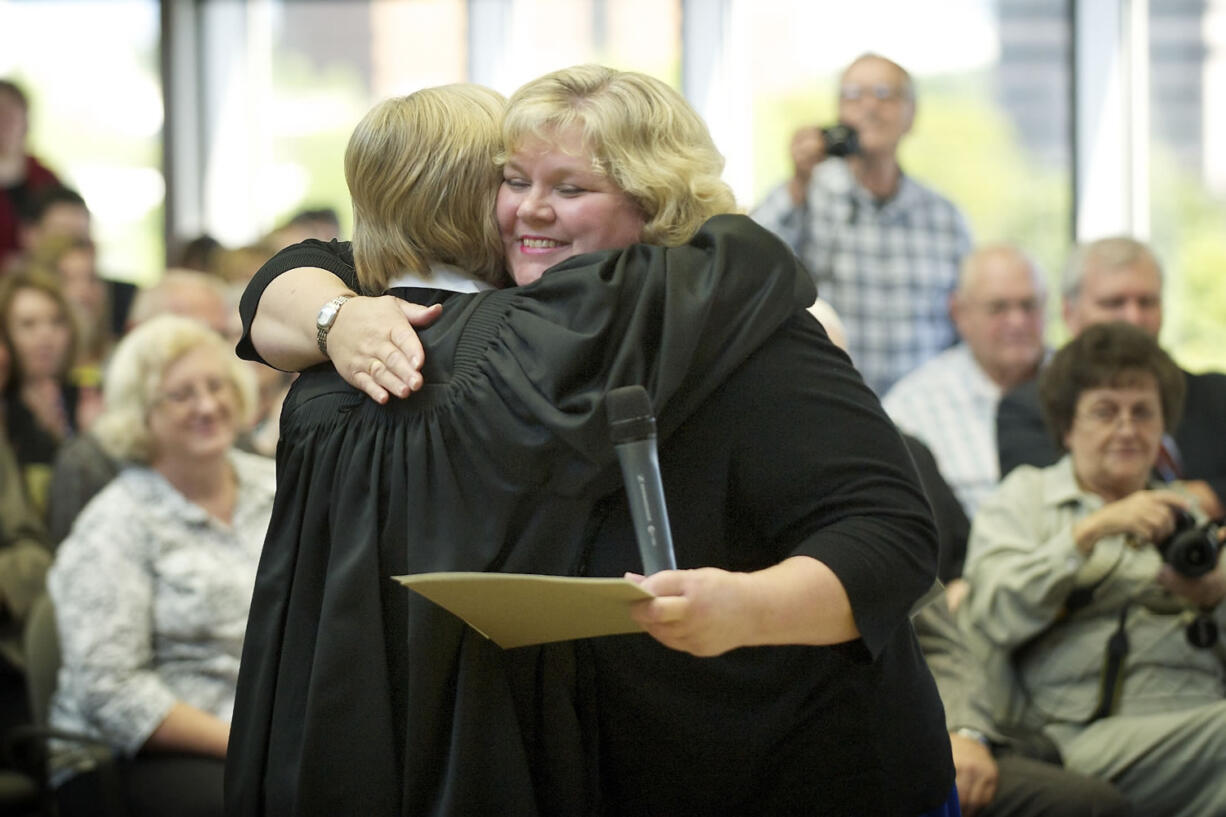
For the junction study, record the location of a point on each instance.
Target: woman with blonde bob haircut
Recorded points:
(407, 214)
(152, 585)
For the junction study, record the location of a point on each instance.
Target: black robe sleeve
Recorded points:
(334, 256)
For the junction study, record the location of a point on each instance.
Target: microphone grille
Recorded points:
(629, 413)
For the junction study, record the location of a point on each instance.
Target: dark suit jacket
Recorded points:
(1023, 439)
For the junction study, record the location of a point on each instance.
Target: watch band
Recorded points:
(974, 734)
(326, 318)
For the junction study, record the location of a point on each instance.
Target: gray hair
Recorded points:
(135, 374)
(908, 83)
(1114, 252)
(970, 264)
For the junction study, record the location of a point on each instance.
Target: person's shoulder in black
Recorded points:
(1201, 434)
(1022, 437)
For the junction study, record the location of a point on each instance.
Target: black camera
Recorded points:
(840, 140)
(1191, 549)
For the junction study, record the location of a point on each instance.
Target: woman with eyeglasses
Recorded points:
(152, 587)
(1114, 646)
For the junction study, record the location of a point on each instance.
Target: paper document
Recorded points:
(518, 609)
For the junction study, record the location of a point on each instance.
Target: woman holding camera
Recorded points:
(1115, 648)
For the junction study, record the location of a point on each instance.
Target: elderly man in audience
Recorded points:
(1120, 279)
(153, 584)
(883, 248)
(950, 401)
(1112, 642)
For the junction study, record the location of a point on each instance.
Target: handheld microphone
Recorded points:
(633, 431)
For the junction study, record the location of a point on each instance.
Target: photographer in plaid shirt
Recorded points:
(883, 248)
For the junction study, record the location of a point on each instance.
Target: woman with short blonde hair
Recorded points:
(413, 165)
(671, 170)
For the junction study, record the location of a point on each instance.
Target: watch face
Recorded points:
(326, 315)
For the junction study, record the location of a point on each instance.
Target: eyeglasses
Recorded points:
(189, 394)
(1107, 415)
(997, 308)
(880, 91)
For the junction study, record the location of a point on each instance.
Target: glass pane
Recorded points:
(992, 87)
(96, 116)
(329, 60)
(635, 35)
(1188, 175)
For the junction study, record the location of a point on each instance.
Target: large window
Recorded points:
(1187, 151)
(96, 115)
(281, 101)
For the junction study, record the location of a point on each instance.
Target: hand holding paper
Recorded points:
(709, 611)
(704, 612)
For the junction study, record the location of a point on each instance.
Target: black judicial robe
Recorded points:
(358, 697)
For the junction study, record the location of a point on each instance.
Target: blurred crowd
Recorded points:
(71, 334)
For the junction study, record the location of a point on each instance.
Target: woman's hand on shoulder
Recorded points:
(375, 348)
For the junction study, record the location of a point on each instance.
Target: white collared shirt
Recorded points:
(442, 276)
(950, 404)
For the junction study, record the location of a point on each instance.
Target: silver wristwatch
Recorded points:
(325, 319)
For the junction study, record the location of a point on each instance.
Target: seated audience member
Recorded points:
(950, 401)
(1120, 279)
(186, 292)
(21, 175)
(72, 262)
(199, 254)
(152, 587)
(996, 776)
(82, 465)
(25, 556)
(883, 248)
(55, 210)
(1068, 587)
(320, 223)
(60, 211)
(42, 408)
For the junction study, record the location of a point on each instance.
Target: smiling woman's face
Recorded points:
(553, 204)
(1115, 438)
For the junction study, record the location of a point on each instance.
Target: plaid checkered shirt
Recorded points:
(886, 267)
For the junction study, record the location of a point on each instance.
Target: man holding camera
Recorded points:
(883, 248)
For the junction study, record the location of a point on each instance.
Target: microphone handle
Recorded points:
(641, 474)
